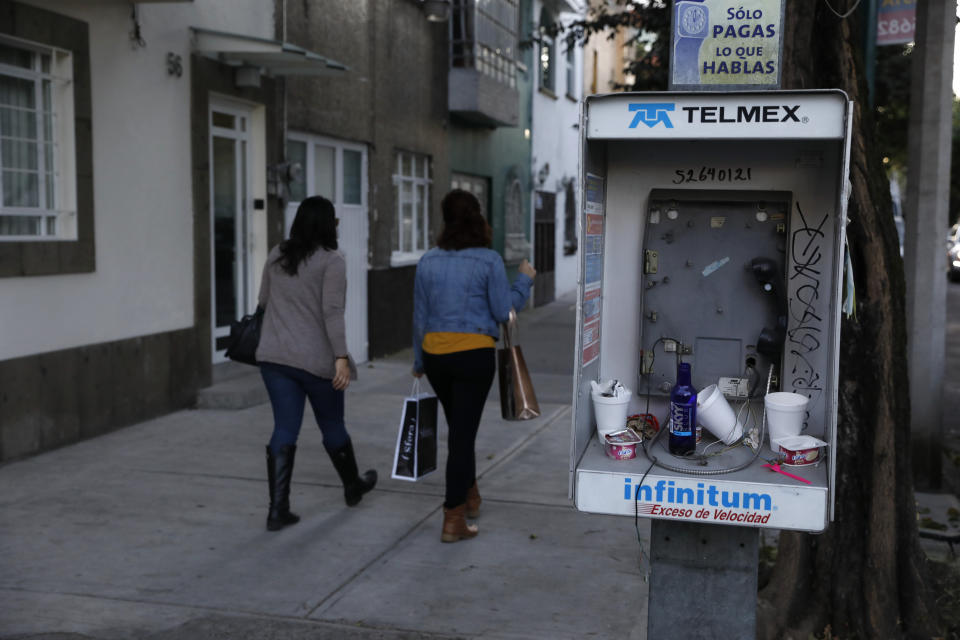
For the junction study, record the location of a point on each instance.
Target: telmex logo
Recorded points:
(652, 113)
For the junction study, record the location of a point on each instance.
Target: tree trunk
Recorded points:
(865, 577)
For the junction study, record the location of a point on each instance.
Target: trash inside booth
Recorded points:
(711, 288)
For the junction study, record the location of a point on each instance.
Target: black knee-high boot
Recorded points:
(354, 485)
(279, 473)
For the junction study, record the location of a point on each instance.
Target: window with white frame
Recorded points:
(334, 169)
(571, 70)
(411, 192)
(412, 179)
(569, 218)
(476, 185)
(37, 190)
(548, 53)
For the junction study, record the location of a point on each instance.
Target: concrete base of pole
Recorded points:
(703, 581)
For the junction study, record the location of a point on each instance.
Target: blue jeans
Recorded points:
(288, 387)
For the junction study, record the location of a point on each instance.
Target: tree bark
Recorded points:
(866, 576)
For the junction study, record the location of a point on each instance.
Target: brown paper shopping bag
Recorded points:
(518, 401)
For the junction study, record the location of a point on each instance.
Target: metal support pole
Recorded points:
(703, 581)
(925, 222)
(870, 48)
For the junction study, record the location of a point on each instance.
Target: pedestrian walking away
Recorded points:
(461, 295)
(303, 353)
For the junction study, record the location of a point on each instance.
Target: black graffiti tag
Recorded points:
(805, 324)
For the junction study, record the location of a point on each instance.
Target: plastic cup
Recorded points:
(610, 413)
(785, 414)
(716, 414)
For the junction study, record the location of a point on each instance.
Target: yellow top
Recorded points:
(441, 342)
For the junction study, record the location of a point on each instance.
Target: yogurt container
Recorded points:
(622, 445)
(800, 451)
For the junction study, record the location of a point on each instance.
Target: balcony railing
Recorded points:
(483, 62)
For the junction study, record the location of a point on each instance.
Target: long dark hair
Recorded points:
(463, 222)
(314, 226)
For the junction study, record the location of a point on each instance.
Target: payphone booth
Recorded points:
(713, 234)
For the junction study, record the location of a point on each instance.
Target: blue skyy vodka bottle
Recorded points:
(683, 414)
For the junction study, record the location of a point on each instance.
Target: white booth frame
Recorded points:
(635, 143)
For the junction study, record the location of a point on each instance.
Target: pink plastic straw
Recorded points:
(776, 467)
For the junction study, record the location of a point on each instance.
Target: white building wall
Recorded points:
(143, 194)
(555, 139)
(604, 59)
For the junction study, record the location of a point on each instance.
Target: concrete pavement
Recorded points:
(157, 530)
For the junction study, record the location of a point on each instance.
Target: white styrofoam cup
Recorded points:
(610, 412)
(785, 414)
(716, 414)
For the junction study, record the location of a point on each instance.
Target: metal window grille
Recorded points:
(28, 149)
(483, 36)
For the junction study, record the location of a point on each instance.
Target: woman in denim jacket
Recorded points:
(461, 294)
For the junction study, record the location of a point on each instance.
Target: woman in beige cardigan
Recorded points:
(303, 353)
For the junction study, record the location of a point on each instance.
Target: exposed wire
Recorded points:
(136, 34)
(648, 420)
(654, 461)
(702, 458)
(636, 510)
(739, 441)
(716, 472)
(753, 380)
(842, 15)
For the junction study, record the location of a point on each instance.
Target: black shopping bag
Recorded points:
(416, 452)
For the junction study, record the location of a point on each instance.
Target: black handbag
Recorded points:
(244, 338)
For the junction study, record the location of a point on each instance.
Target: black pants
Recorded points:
(462, 381)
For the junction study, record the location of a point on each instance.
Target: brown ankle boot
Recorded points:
(473, 501)
(455, 527)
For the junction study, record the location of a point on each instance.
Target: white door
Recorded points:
(231, 270)
(337, 170)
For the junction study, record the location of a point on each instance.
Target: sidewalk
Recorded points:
(157, 531)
